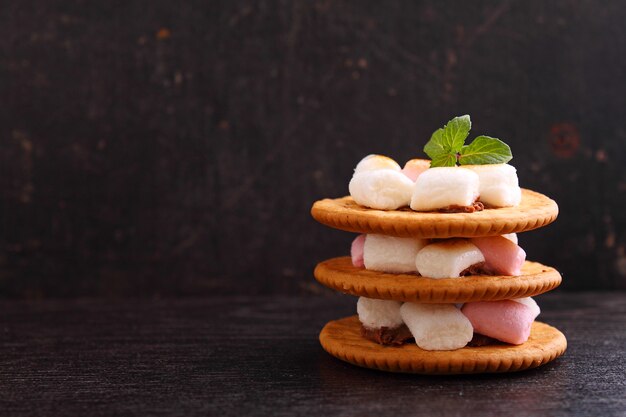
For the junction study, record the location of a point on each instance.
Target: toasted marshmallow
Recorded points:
(441, 187)
(415, 167)
(375, 162)
(447, 259)
(437, 326)
(382, 189)
(530, 303)
(391, 254)
(379, 313)
(512, 237)
(499, 186)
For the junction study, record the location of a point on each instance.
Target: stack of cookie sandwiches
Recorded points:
(444, 286)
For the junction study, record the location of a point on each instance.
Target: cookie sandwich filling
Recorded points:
(439, 258)
(447, 326)
(457, 178)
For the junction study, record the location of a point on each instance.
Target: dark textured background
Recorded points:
(153, 149)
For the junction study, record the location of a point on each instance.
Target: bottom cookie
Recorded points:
(342, 339)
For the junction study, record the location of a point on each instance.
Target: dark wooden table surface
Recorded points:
(260, 356)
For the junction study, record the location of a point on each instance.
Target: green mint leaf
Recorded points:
(485, 150)
(446, 142)
(455, 132)
(443, 160)
(435, 146)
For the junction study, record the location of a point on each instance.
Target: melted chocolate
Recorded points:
(476, 269)
(481, 340)
(477, 206)
(400, 335)
(386, 336)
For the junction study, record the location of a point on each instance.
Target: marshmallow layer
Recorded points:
(502, 256)
(512, 237)
(530, 303)
(382, 189)
(499, 186)
(447, 259)
(441, 187)
(379, 313)
(437, 326)
(356, 251)
(506, 320)
(391, 254)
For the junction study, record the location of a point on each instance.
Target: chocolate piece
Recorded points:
(476, 269)
(481, 340)
(477, 206)
(386, 336)
(401, 334)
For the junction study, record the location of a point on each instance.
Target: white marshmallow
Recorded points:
(530, 303)
(379, 313)
(499, 186)
(391, 254)
(382, 189)
(447, 259)
(512, 237)
(375, 162)
(441, 187)
(437, 326)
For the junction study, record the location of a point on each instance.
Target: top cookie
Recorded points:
(534, 211)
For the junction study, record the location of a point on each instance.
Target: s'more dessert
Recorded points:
(442, 282)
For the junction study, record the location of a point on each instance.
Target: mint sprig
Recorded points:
(447, 142)
(485, 150)
(446, 147)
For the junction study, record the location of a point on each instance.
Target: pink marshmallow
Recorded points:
(356, 251)
(501, 255)
(505, 320)
(415, 167)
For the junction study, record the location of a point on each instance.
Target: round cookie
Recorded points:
(536, 210)
(343, 340)
(341, 275)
